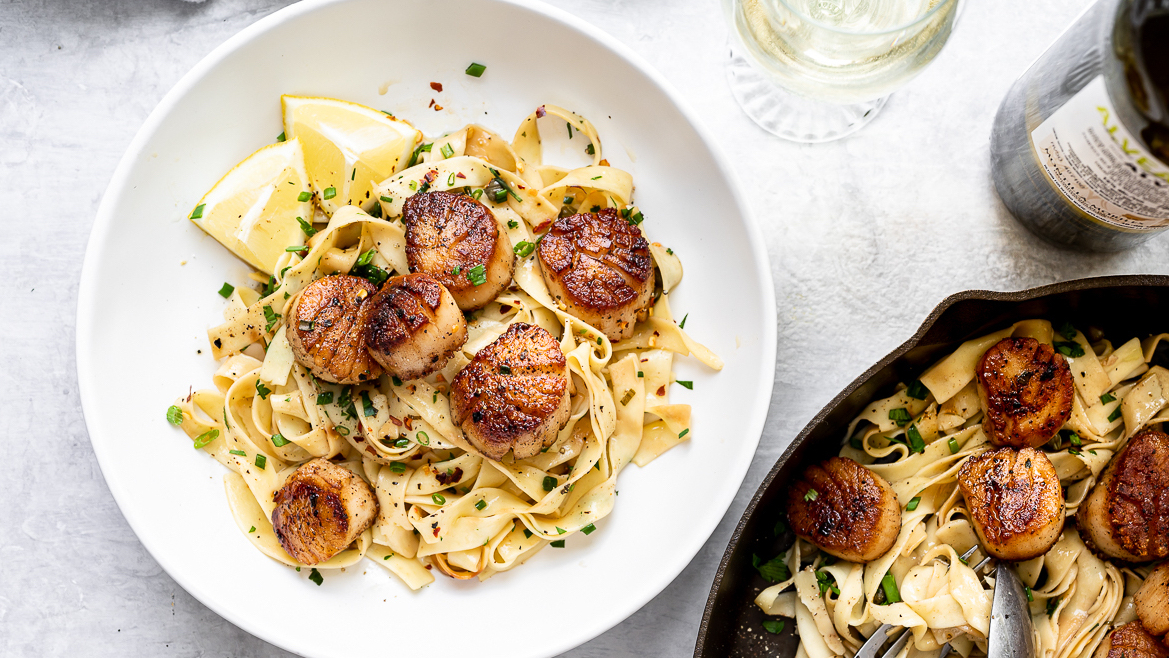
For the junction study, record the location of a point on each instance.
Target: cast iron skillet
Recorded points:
(1122, 306)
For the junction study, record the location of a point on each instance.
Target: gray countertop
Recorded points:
(866, 235)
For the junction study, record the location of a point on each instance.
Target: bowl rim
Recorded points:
(1018, 296)
(104, 219)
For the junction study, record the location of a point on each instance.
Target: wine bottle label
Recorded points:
(1099, 166)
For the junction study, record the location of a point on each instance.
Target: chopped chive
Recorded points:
(559, 543)
(306, 227)
(683, 432)
(916, 444)
(353, 176)
(549, 483)
(523, 248)
(398, 467)
(447, 152)
(559, 530)
(226, 290)
(395, 380)
(480, 505)
(205, 438)
(682, 324)
(527, 533)
(811, 495)
(1052, 606)
(241, 453)
(477, 275)
(642, 374)
(296, 249)
(281, 137)
(174, 415)
(279, 441)
(773, 626)
(438, 499)
(1070, 349)
(590, 150)
(1074, 451)
(388, 556)
(477, 193)
(889, 584)
(1075, 439)
(1030, 596)
(272, 317)
(422, 438)
(261, 461)
(342, 430)
(329, 193)
(325, 398)
(900, 415)
(316, 576)
(685, 384)
(262, 390)
(198, 211)
(475, 70)
(253, 529)
(304, 196)
(511, 223)
(917, 390)
(1114, 415)
(913, 504)
(367, 405)
(595, 178)
(954, 447)
(669, 251)
(1106, 398)
(387, 199)
(589, 529)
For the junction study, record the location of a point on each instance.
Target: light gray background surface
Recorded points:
(866, 235)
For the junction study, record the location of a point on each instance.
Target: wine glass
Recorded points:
(817, 70)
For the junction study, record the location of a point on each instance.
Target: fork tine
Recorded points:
(967, 554)
(898, 645)
(946, 649)
(875, 642)
(982, 564)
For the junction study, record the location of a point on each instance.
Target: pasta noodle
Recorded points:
(1076, 596)
(442, 504)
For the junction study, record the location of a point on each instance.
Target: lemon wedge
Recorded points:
(348, 148)
(253, 209)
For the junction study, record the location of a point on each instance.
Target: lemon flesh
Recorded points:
(348, 148)
(252, 210)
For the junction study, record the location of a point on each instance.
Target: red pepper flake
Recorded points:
(540, 112)
(436, 532)
(429, 567)
(409, 423)
(431, 103)
(604, 163)
(430, 176)
(448, 478)
(661, 391)
(460, 175)
(395, 421)
(543, 226)
(437, 86)
(437, 108)
(504, 308)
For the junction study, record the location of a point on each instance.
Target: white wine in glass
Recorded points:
(816, 70)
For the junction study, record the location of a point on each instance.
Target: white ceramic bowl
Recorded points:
(148, 293)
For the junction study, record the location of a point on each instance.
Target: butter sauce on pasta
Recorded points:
(1076, 597)
(442, 504)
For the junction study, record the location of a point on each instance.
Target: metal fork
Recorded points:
(881, 635)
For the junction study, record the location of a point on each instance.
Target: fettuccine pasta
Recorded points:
(1076, 597)
(442, 504)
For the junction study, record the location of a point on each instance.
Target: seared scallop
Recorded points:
(326, 329)
(514, 394)
(845, 509)
(456, 240)
(1015, 502)
(1131, 641)
(320, 510)
(1127, 514)
(414, 326)
(599, 267)
(1152, 602)
(1026, 390)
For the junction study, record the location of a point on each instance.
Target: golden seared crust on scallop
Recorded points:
(1131, 641)
(514, 393)
(1026, 390)
(1126, 516)
(845, 509)
(1015, 502)
(326, 329)
(414, 326)
(599, 266)
(456, 240)
(321, 510)
(1152, 602)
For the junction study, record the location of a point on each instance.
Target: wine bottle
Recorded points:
(1080, 146)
